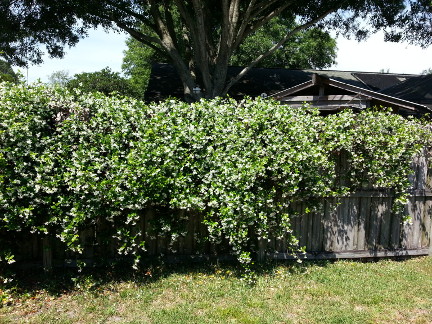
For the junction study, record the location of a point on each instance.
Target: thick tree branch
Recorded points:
(201, 47)
(246, 18)
(184, 12)
(226, 28)
(127, 11)
(275, 47)
(221, 58)
(138, 35)
(261, 7)
(234, 14)
(170, 23)
(259, 23)
(168, 44)
(192, 27)
(145, 39)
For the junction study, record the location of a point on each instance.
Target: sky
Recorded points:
(93, 53)
(101, 49)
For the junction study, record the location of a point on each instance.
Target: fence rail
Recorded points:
(360, 226)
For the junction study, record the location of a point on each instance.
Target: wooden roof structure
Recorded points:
(407, 94)
(165, 83)
(332, 95)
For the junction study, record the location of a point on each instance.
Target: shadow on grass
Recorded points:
(66, 280)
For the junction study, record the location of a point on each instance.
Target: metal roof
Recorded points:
(164, 81)
(417, 89)
(380, 81)
(401, 88)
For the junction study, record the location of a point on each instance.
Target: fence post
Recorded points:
(430, 237)
(261, 250)
(47, 254)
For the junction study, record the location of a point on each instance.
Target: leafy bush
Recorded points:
(7, 73)
(104, 81)
(70, 159)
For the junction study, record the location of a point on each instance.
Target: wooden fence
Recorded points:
(364, 225)
(360, 226)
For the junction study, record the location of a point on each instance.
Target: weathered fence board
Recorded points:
(361, 225)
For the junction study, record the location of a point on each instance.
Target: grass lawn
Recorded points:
(311, 292)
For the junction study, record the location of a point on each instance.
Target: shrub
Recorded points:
(71, 159)
(104, 81)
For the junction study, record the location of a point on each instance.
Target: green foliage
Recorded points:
(137, 65)
(305, 50)
(7, 73)
(104, 81)
(310, 49)
(72, 159)
(6, 78)
(60, 78)
(200, 36)
(28, 25)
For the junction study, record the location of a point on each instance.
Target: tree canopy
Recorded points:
(104, 81)
(310, 49)
(25, 25)
(7, 73)
(200, 36)
(60, 78)
(137, 63)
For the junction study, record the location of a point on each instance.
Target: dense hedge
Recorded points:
(68, 160)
